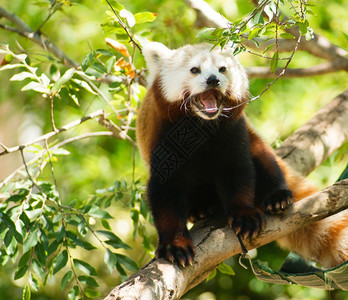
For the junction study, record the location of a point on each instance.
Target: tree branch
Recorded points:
(316, 140)
(48, 135)
(163, 280)
(36, 37)
(325, 68)
(318, 46)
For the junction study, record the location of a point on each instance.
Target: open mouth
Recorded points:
(208, 102)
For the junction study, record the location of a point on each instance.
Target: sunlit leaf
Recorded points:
(66, 279)
(226, 269)
(144, 17)
(274, 62)
(73, 293)
(62, 80)
(34, 282)
(110, 260)
(117, 46)
(60, 261)
(128, 16)
(21, 272)
(88, 280)
(26, 295)
(21, 76)
(85, 267)
(35, 86)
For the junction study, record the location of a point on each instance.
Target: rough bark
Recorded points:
(163, 280)
(304, 150)
(311, 144)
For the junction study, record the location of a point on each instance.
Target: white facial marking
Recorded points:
(173, 69)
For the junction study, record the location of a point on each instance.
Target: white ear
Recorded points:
(155, 53)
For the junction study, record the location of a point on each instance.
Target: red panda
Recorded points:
(204, 157)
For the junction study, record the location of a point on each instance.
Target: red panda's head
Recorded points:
(206, 82)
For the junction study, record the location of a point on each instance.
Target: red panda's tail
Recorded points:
(324, 241)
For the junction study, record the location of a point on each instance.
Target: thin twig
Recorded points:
(54, 128)
(274, 80)
(53, 133)
(37, 37)
(54, 7)
(131, 40)
(61, 144)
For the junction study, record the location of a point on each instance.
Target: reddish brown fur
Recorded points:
(319, 241)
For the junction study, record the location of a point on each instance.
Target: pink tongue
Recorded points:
(209, 101)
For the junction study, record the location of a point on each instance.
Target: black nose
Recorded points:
(213, 81)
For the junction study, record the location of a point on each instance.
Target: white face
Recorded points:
(198, 74)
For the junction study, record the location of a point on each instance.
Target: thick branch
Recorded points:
(311, 144)
(330, 67)
(163, 280)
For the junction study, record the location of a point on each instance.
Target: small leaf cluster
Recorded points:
(265, 23)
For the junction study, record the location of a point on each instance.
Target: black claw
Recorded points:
(277, 201)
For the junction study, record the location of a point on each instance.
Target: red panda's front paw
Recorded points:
(247, 222)
(180, 251)
(277, 201)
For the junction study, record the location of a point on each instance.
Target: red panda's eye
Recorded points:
(222, 69)
(195, 70)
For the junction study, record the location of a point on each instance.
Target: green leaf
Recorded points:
(91, 293)
(114, 240)
(60, 233)
(60, 261)
(274, 62)
(85, 267)
(87, 61)
(24, 259)
(96, 212)
(110, 260)
(106, 224)
(74, 293)
(34, 282)
(88, 280)
(127, 262)
(9, 223)
(40, 253)
(122, 272)
(26, 293)
(11, 66)
(268, 47)
(35, 86)
(128, 16)
(254, 33)
(88, 246)
(37, 267)
(144, 17)
(62, 80)
(21, 76)
(66, 279)
(211, 275)
(31, 241)
(257, 19)
(226, 269)
(286, 35)
(21, 272)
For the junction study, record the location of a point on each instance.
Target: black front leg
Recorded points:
(169, 209)
(272, 192)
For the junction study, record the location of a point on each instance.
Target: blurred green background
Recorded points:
(97, 163)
